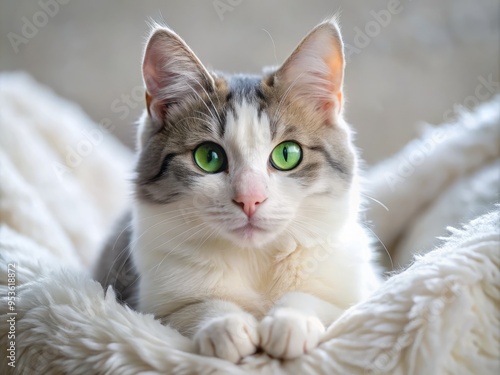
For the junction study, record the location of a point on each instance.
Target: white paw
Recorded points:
(230, 337)
(289, 334)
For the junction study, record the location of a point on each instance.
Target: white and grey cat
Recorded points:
(244, 231)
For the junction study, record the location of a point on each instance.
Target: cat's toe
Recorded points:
(288, 334)
(230, 337)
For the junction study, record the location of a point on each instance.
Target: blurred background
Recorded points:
(408, 61)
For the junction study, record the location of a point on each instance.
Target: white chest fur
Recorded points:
(176, 270)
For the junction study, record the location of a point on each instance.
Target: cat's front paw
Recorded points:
(288, 334)
(230, 337)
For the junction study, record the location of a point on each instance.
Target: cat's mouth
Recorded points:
(248, 231)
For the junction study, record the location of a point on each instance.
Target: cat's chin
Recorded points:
(248, 231)
(251, 235)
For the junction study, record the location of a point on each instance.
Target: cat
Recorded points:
(244, 232)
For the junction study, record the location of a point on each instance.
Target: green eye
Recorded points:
(210, 157)
(286, 156)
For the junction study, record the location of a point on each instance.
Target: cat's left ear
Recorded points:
(172, 73)
(314, 72)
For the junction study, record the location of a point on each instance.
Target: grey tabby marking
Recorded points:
(115, 267)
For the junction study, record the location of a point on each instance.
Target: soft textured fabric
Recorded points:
(446, 177)
(439, 316)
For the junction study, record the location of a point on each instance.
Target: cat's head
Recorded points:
(251, 158)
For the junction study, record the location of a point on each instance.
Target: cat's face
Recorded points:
(251, 158)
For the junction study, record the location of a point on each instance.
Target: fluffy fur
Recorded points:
(235, 280)
(439, 316)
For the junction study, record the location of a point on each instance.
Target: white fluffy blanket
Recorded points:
(62, 185)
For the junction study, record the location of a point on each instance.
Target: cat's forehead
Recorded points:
(243, 86)
(234, 86)
(246, 88)
(246, 118)
(253, 104)
(245, 110)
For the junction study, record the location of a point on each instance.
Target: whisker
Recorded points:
(213, 105)
(201, 99)
(197, 119)
(274, 45)
(127, 248)
(171, 239)
(113, 264)
(215, 234)
(385, 248)
(278, 114)
(203, 239)
(205, 115)
(168, 231)
(302, 215)
(305, 226)
(376, 201)
(167, 221)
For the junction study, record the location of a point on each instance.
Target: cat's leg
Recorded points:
(295, 324)
(219, 328)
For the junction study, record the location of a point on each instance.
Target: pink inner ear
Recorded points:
(151, 84)
(316, 70)
(152, 65)
(151, 70)
(329, 105)
(172, 73)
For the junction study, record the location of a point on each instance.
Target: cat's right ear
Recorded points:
(314, 72)
(172, 74)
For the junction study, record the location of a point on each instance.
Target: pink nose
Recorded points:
(249, 203)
